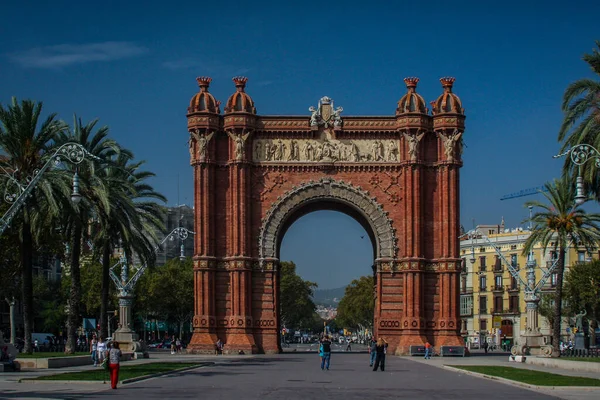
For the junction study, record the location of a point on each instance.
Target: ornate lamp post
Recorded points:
(125, 335)
(17, 194)
(581, 154)
(534, 340)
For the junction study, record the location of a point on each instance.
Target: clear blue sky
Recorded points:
(133, 65)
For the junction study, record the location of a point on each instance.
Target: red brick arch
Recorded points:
(255, 175)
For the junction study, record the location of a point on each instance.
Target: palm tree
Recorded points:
(554, 227)
(129, 221)
(581, 124)
(581, 104)
(77, 216)
(26, 145)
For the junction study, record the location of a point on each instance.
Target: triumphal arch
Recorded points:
(254, 175)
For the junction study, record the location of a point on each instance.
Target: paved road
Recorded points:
(314, 347)
(291, 377)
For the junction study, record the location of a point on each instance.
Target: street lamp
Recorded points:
(581, 154)
(73, 152)
(126, 287)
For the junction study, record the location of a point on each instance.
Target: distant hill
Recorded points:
(328, 297)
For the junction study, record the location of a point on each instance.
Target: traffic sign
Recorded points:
(497, 321)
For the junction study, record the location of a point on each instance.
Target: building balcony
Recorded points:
(498, 288)
(483, 311)
(548, 287)
(511, 288)
(482, 268)
(466, 312)
(506, 312)
(466, 290)
(482, 288)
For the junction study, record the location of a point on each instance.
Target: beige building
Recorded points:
(492, 304)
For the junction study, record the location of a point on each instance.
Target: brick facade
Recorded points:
(255, 175)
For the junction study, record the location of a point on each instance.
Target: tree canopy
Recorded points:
(356, 309)
(297, 306)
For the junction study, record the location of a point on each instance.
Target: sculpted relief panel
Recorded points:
(325, 150)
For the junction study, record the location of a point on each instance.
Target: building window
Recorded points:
(498, 281)
(498, 264)
(553, 279)
(498, 304)
(482, 249)
(483, 324)
(513, 283)
(513, 261)
(466, 305)
(553, 255)
(581, 256)
(513, 246)
(482, 304)
(482, 283)
(514, 303)
(482, 263)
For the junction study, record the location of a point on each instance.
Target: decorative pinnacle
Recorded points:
(411, 82)
(447, 83)
(204, 82)
(240, 82)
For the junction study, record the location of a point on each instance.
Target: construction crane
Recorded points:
(525, 192)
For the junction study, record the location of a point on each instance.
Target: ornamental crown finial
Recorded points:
(447, 82)
(204, 82)
(240, 82)
(411, 82)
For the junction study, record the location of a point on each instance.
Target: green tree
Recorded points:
(295, 298)
(581, 123)
(49, 302)
(10, 271)
(167, 292)
(26, 146)
(582, 291)
(77, 216)
(356, 308)
(554, 227)
(581, 105)
(129, 219)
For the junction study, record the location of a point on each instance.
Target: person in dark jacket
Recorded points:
(380, 350)
(326, 348)
(372, 351)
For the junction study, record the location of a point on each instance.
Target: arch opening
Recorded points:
(327, 194)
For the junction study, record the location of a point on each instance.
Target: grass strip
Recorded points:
(125, 372)
(529, 376)
(584, 359)
(52, 355)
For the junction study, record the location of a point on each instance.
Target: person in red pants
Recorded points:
(114, 360)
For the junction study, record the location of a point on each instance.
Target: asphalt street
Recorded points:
(290, 376)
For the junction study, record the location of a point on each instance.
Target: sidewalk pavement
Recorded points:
(501, 359)
(154, 357)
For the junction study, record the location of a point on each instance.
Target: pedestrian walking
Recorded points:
(485, 346)
(101, 350)
(321, 354)
(94, 350)
(427, 350)
(114, 361)
(372, 351)
(380, 350)
(348, 346)
(326, 359)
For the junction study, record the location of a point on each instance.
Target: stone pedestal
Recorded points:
(127, 338)
(581, 341)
